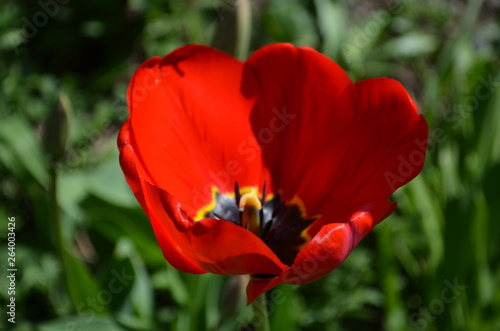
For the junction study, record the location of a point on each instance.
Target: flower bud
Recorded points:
(56, 130)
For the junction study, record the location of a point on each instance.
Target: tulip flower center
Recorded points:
(282, 225)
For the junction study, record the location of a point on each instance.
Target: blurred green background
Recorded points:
(95, 264)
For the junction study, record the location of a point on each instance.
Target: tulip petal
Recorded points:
(225, 248)
(133, 173)
(354, 138)
(302, 96)
(327, 250)
(217, 246)
(391, 141)
(190, 125)
(128, 163)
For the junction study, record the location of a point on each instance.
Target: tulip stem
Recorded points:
(260, 317)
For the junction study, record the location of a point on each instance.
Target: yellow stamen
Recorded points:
(250, 206)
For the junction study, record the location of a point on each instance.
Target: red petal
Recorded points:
(385, 150)
(190, 125)
(328, 249)
(218, 246)
(335, 144)
(299, 92)
(133, 173)
(128, 163)
(226, 248)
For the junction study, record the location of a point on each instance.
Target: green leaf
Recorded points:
(72, 189)
(119, 280)
(83, 289)
(140, 304)
(108, 183)
(21, 140)
(432, 219)
(332, 20)
(169, 278)
(80, 323)
(115, 223)
(411, 45)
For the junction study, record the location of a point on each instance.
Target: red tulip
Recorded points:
(275, 167)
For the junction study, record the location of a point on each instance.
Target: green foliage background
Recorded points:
(432, 265)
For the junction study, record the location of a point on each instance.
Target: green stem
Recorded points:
(243, 28)
(56, 223)
(54, 208)
(260, 318)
